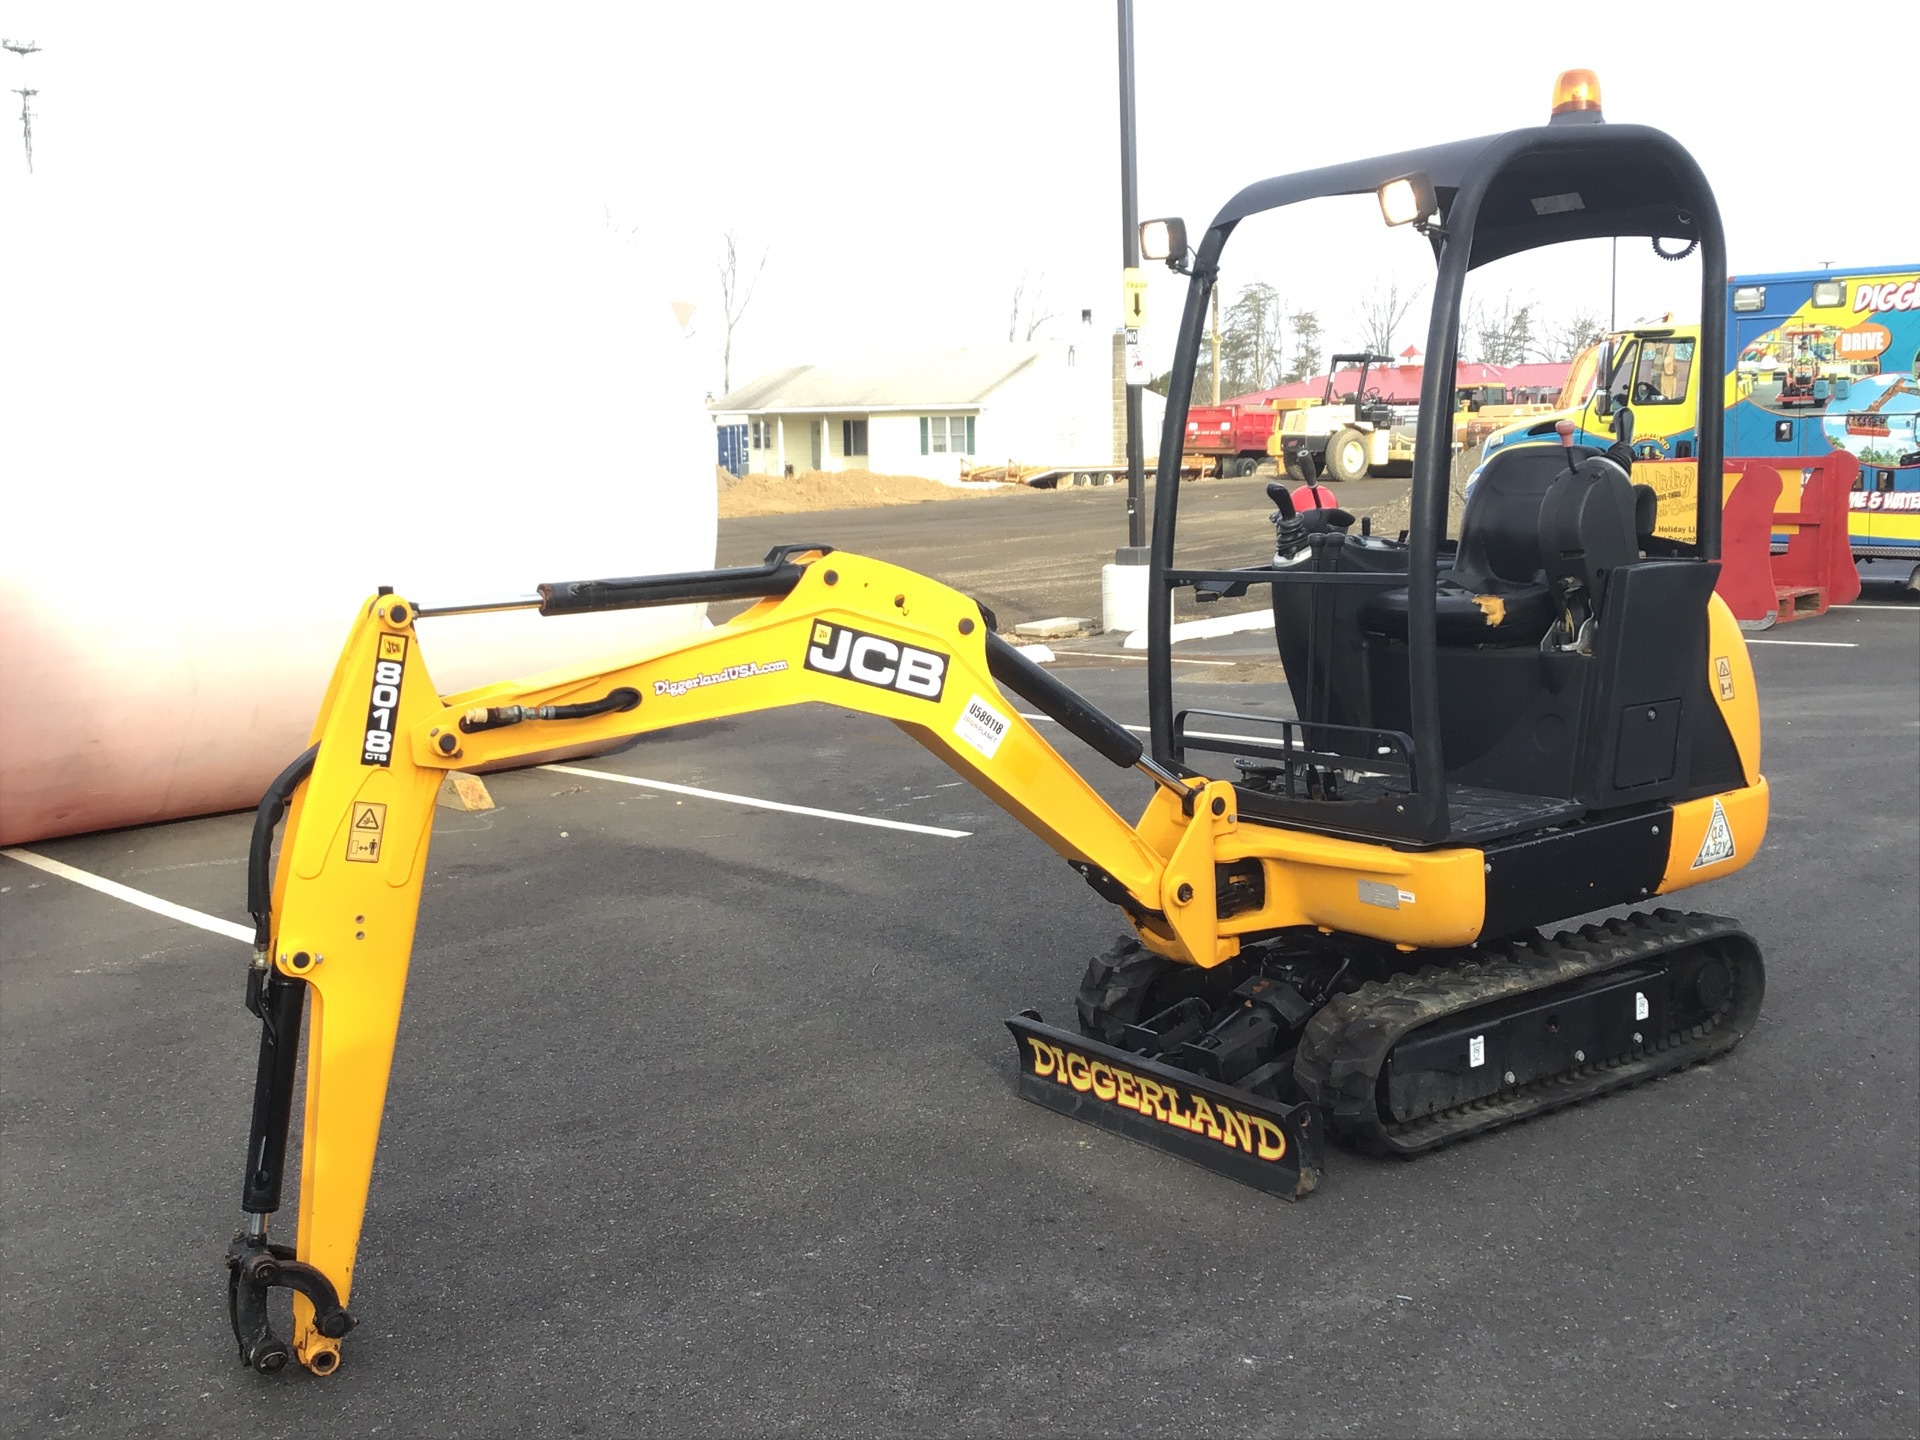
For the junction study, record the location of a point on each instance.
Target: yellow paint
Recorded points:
(1730, 682)
(1746, 819)
(1493, 607)
(353, 918)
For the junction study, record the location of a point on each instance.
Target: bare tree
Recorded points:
(24, 48)
(1306, 347)
(1250, 340)
(736, 292)
(1029, 310)
(1569, 338)
(1504, 333)
(1381, 311)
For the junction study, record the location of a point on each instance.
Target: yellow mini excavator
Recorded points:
(1333, 920)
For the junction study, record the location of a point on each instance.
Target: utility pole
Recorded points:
(1135, 553)
(23, 48)
(1216, 344)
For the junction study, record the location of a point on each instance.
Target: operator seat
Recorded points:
(1497, 591)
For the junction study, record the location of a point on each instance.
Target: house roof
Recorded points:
(919, 380)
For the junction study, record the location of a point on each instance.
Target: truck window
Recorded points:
(1661, 376)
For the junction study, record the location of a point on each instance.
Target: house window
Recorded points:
(853, 437)
(946, 434)
(762, 436)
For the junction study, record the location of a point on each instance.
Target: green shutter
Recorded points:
(969, 434)
(923, 435)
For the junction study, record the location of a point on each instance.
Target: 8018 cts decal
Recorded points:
(876, 660)
(377, 749)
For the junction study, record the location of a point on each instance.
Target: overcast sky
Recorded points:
(283, 192)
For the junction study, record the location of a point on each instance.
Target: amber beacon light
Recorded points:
(1576, 91)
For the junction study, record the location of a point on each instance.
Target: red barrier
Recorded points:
(1817, 568)
(1746, 532)
(1819, 555)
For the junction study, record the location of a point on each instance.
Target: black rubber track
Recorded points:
(1345, 1046)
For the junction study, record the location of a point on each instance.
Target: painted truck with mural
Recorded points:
(1825, 360)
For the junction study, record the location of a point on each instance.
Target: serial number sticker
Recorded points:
(383, 700)
(1641, 1010)
(1387, 897)
(1476, 1052)
(365, 831)
(981, 726)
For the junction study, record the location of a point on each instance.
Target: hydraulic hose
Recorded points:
(266, 819)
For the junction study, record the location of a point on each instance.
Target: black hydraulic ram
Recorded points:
(255, 1265)
(776, 575)
(1043, 691)
(1084, 721)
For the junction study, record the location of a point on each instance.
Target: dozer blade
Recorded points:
(1261, 1142)
(1527, 1026)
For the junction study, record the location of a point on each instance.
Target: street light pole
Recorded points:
(1130, 251)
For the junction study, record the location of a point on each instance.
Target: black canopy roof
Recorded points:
(1545, 185)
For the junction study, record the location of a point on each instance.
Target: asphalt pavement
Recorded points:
(703, 1123)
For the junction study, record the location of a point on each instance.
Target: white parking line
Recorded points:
(1177, 659)
(758, 804)
(132, 896)
(1812, 644)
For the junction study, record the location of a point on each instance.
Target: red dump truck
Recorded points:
(1233, 436)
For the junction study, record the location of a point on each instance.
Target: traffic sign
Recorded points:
(1133, 308)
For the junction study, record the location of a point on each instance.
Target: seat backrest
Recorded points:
(1589, 528)
(1500, 532)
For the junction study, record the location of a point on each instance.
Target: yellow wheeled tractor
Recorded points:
(1332, 920)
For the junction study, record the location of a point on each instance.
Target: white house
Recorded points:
(935, 412)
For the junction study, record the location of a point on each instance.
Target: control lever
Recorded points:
(1621, 451)
(1289, 531)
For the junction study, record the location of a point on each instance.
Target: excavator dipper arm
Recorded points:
(335, 939)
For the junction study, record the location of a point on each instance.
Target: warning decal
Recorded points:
(1723, 668)
(1718, 845)
(365, 830)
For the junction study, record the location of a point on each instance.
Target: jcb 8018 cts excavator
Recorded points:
(1333, 920)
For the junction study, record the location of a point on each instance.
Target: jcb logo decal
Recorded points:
(876, 660)
(384, 700)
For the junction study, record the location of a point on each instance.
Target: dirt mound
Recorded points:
(837, 490)
(1396, 515)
